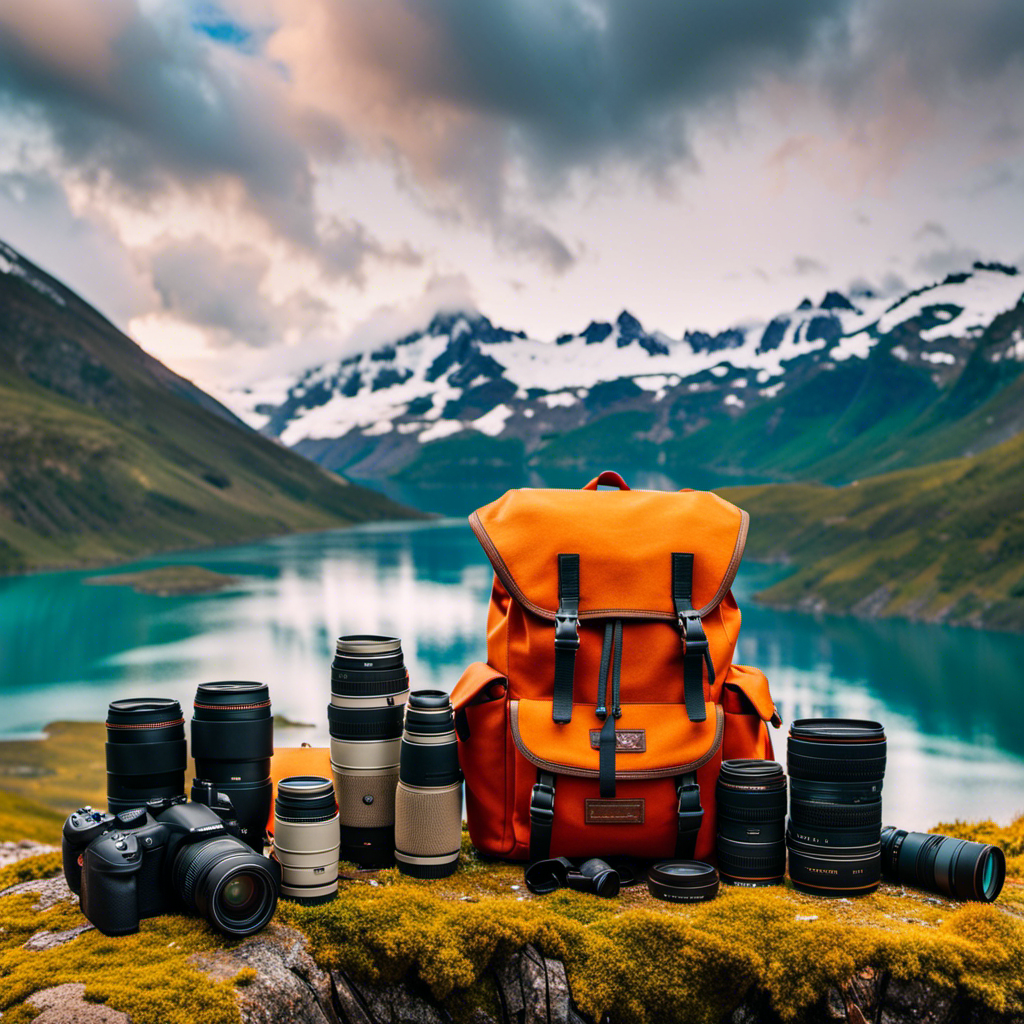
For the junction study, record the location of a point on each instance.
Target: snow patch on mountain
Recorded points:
(12, 264)
(979, 296)
(462, 373)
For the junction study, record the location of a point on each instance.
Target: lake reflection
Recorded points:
(944, 695)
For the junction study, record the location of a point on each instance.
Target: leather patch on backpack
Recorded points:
(613, 812)
(627, 741)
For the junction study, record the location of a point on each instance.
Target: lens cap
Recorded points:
(683, 881)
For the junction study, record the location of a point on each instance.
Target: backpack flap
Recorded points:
(624, 541)
(653, 741)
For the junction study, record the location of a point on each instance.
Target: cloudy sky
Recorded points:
(250, 186)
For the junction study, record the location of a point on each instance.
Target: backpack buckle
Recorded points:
(690, 812)
(692, 634)
(542, 804)
(567, 632)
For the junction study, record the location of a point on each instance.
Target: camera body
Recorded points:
(146, 861)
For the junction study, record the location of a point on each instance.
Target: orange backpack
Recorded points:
(609, 698)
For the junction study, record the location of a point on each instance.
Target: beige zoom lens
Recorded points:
(428, 804)
(428, 829)
(306, 839)
(366, 743)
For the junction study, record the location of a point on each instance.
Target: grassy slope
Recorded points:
(105, 454)
(942, 542)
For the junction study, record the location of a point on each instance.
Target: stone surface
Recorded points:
(49, 940)
(12, 852)
(65, 1004)
(288, 986)
(51, 891)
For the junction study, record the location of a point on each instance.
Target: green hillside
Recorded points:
(943, 542)
(106, 454)
(870, 416)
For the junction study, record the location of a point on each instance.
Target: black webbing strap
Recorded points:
(691, 814)
(695, 643)
(542, 816)
(567, 635)
(606, 743)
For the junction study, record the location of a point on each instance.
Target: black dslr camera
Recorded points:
(168, 855)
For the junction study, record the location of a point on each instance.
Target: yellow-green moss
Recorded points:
(28, 868)
(645, 961)
(147, 975)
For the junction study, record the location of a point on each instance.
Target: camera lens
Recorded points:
(232, 743)
(751, 800)
(428, 802)
(146, 751)
(683, 881)
(959, 868)
(369, 688)
(836, 768)
(227, 883)
(306, 838)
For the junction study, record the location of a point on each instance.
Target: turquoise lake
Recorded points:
(948, 697)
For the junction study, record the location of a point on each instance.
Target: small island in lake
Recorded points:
(169, 580)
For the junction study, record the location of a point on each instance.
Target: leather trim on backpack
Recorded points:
(504, 574)
(625, 774)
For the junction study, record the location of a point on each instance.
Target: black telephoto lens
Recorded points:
(836, 767)
(369, 688)
(146, 751)
(232, 743)
(751, 800)
(958, 868)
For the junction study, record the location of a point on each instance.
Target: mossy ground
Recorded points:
(637, 958)
(147, 975)
(644, 961)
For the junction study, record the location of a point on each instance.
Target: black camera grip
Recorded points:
(72, 869)
(109, 899)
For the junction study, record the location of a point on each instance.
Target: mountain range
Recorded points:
(105, 453)
(850, 384)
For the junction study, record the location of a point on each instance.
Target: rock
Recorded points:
(51, 891)
(48, 940)
(12, 852)
(288, 985)
(65, 1004)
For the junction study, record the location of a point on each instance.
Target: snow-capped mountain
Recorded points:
(464, 378)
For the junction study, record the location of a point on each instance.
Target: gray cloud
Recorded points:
(222, 292)
(804, 265)
(345, 247)
(533, 239)
(143, 101)
(930, 230)
(940, 262)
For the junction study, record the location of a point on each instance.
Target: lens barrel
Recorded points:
(306, 838)
(958, 868)
(232, 743)
(428, 802)
(836, 768)
(227, 883)
(369, 689)
(146, 752)
(751, 800)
